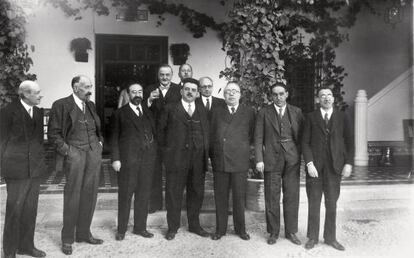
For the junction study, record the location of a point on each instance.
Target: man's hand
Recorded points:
(116, 165)
(260, 166)
(346, 171)
(312, 170)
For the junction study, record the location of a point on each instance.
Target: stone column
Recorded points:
(361, 142)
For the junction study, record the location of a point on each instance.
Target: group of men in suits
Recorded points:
(180, 128)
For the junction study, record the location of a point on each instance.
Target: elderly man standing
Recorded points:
(209, 102)
(75, 129)
(277, 148)
(133, 152)
(183, 133)
(156, 96)
(231, 134)
(185, 71)
(328, 150)
(22, 166)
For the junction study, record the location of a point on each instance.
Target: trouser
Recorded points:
(156, 197)
(192, 178)
(82, 169)
(21, 212)
(328, 183)
(223, 182)
(287, 179)
(135, 180)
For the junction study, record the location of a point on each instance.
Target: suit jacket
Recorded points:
(267, 134)
(21, 142)
(128, 140)
(173, 134)
(173, 95)
(61, 118)
(215, 103)
(341, 142)
(231, 136)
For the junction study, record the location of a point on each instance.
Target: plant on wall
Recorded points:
(80, 46)
(15, 61)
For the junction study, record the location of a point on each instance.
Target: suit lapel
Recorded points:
(293, 120)
(333, 122)
(24, 118)
(272, 117)
(181, 113)
(320, 120)
(132, 116)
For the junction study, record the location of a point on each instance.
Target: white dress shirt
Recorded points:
(78, 102)
(329, 112)
(134, 108)
(204, 99)
(28, 108)
(235, 108)
(185, 105)
(278, 110)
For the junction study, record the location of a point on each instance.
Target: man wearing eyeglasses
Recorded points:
(207, 100)
(75, 130)
(277, 149)
(231, 135)
(183, 133)
(133, 150)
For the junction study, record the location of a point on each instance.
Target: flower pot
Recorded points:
(255, 195)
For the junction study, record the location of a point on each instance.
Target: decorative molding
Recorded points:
(395, 83)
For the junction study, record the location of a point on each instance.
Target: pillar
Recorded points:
(361, 141)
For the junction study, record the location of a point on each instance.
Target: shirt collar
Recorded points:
(25, 105)
(162, 87)
(185, 104)
(134, 107)
(278, 108)
(329, 112)
(78, 101)
(205, 99)
(235, 108)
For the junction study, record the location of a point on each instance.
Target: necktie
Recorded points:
(280, 113)
(208, 104)
(189, 110)
(233, 110)
(83, 107)
(326, 119)
(30, 112)
(139, 112)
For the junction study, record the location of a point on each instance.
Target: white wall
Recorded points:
(50, 32)
(389, 107)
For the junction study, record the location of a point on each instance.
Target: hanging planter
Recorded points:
(80, 46)
(179, 53)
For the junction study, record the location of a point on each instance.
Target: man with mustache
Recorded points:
(22, 166)
(75, 130)
(156, 96)
(183, 131)
(133, 152)
(328, 151)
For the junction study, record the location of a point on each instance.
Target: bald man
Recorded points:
(185, 71)
(22, 166)
(75, 130)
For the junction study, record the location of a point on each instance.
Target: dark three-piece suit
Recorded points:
(133, 143)
(184, 140)
(22, 166)
(277, 145)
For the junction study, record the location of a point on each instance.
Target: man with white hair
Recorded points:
(22, 166)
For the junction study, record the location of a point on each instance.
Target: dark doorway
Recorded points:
(301, 79)
(121, 60)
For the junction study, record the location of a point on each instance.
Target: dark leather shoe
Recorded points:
(294, 239)
(67, 249)
(272, 239)
(335, 244)
(119, 236)
(34, 252)
(216, 236)
(311, 244)
(143, 233)
(201, 232)
(90, 240)
(170, 235)
(244, 236)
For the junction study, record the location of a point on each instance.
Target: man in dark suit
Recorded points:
(22, 166)
(328, 148)
(206, 99)
(277, 148)
(231, 134)
(156, 96)
(184, 71)
(183, 133)
(133, 155)
(75, 129)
